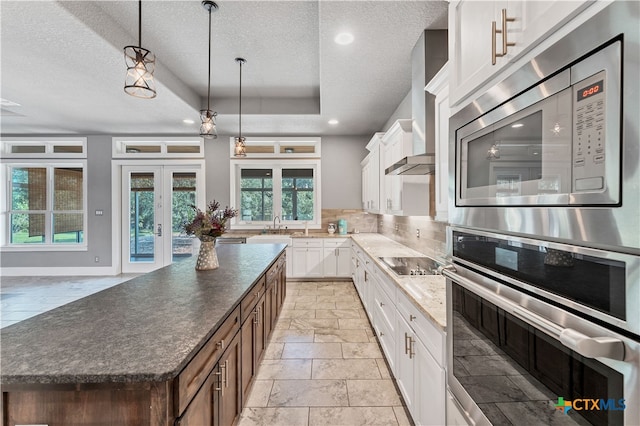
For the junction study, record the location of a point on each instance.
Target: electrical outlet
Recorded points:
(97, 259)
(418, 233)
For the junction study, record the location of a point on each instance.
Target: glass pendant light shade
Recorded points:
(240, 150)
(208, 126)
(141, 64)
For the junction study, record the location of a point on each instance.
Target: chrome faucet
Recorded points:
(274, 224)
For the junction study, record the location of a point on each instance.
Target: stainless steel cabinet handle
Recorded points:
(505, 43)
(219, 374)
(411, 352)
(494, 54)
(220, 344)
(411, 317)
(406, 346)
(381, 304)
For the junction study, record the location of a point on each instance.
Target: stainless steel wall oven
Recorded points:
(542, 333)
(553, 150)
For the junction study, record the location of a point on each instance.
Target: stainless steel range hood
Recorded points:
(428, 56)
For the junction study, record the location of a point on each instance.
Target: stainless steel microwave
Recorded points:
(552, 151)
(556, 144)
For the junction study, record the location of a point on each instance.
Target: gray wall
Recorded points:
(341, 189)
(99, 227)
(341, 173)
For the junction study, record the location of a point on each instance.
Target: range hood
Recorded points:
(428, 56)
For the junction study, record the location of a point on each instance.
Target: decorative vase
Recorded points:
(207, 256)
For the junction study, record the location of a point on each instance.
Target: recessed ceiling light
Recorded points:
(333, 121)
(515, 126)
(188, 121)
(344, 38)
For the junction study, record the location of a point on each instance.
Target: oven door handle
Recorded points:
(590, 347)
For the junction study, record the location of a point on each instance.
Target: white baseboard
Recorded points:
(59, 271)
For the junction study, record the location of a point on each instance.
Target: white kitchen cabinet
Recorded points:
(371, 175)
(307, 256)
(384, 320)
(455, 416)
(289, 254)
(337, 258)
(396, 144)
(439, 87)
(471, 40)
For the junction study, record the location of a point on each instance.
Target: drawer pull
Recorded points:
(220, 344)
(411, 352)
(381, 333)
(411, 317)
(406, 346)
(381, 304)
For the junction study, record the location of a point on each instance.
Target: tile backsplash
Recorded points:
(356, 219)
(403, 229)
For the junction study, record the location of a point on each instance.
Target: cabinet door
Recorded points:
(299, 261)
(228, 397)
(343, 262)
(405, 363)
(365, 186)
(470, 45)
(200, 411)
(247, 333)
(314, 262)
(429, 388)
(329, 262)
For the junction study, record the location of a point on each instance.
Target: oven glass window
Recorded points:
(517, 375)
(594, 282)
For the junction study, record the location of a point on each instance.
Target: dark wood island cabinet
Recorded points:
(172, 347)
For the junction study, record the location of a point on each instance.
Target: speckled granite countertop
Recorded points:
(296, 234)
(143, 330)
(428, 292)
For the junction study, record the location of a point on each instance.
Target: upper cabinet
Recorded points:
(485, 36)
(371, 175)
(439, 87)
(397, 143)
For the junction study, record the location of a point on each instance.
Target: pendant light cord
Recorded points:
(140, 23)
(240, 103)
(209, 81)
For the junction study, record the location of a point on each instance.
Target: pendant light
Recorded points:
(140, 66)
(208, 117)
(240, 149)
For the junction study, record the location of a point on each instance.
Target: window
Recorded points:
(264, 189)
(46, 204)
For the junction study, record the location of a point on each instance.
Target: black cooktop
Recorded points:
(411, 265)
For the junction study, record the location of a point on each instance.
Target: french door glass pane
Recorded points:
(256, 190)
(297, 194)
(142, 217)
(183, 196)
(21, 226)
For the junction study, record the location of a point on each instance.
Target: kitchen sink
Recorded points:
(411, 265)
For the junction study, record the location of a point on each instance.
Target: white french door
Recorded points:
(156, 200)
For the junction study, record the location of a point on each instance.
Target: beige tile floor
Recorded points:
(323, 365)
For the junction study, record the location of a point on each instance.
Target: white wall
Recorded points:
(402, 112)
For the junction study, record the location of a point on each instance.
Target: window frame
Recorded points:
(276, 166)
(6, 202)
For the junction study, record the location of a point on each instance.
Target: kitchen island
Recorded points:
(150, 350)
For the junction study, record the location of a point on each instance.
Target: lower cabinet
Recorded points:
(321, 258)
(253, 345)
(412, 344)
(218, 402)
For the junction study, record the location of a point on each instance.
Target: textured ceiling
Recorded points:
(62, 62)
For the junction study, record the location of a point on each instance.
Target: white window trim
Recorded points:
(5, 202)
(119, 147)
(276, 166)
(276, 143)
(48, 142)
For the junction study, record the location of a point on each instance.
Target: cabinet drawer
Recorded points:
(250, 300)
(196, 372)
(426, 331)
(307, 242)
(337, 243)
(387, 341)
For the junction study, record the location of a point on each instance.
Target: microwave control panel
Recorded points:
(589, 142)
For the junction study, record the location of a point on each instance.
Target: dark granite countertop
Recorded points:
(143, 330)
